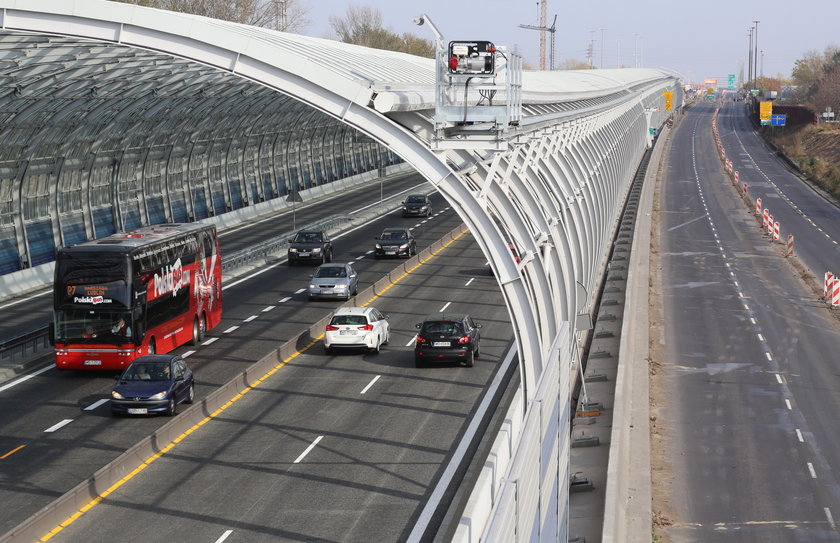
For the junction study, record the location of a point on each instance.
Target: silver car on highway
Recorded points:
(334, 280)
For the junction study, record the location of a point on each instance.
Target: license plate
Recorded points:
(303, 254)
(390, 252)
(441, 344)
(347, 332)
(137, 411)
(93, 362)
(325, 291)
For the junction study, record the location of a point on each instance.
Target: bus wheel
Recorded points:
(202, 327)
(152, 349)
(196, 332)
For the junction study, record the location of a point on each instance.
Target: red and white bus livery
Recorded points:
(140, 292)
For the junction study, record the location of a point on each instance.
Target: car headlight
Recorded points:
(404, 246)
(292, 249)
(378, 246)
(423, 208)
(159, 396)
(116, 395)
(313, 286)
(316, 250)
(341, 287)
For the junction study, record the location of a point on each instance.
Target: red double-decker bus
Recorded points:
(139, 292)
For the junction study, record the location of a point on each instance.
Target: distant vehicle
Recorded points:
(397, 242)
(444, 338)
(153, 384)
(144, 291)
(357, 327)
(334, 280)
(417, 205)
(310, 246)
(513, 251)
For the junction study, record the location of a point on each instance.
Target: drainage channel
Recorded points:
(595, 391)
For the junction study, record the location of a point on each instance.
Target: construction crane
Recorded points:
(552, 29)
(543, 29)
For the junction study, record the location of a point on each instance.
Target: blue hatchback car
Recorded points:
(155, 383)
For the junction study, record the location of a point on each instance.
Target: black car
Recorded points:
(395, 242)
(417, 205)
(310, 246)
(446, 338)
(154, 383)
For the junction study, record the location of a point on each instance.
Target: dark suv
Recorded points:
(310, 246)
(395, 242)
(443, 338)
(417, 205)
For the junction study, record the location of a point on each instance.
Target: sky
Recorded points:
(705, 39)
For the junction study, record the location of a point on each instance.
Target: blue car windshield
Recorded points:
(147, 371)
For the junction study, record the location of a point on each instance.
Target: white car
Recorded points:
(357, 327)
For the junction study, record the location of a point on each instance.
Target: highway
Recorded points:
(745, 391)
(57, 426)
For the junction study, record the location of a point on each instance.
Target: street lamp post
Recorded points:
(755, 55)
(601, 65)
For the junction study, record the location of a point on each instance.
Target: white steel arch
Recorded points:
(555, 193)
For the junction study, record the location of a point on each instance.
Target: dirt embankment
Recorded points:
(815, 149)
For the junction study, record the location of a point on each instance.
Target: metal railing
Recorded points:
(25, 347)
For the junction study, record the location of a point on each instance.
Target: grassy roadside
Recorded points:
(815, 149)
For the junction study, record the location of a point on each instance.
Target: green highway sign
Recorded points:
(731, 81)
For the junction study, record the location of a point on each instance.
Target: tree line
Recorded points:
(817, 79)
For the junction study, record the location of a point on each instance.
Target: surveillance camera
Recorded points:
(419, 20)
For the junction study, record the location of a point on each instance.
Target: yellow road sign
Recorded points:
(669, 100)
(765, 111)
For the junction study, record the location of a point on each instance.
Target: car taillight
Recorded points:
(464, 339)
(367, 327)
(331, 328)
(421, 339)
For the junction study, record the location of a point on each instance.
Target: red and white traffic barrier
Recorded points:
(776, 231)
(737, 177)
(758, 206)
(765, 218)
(770, 224)
(789, 245)
(829, 280)
(745, 189)
(835, 292)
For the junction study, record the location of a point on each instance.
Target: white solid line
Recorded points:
(211, 340)
(444, 307)
(249, 319)
(269, 308)
(410, 343)
(61, 424)
(360, 257)
(224, 536)
(760, 337)
(231, 329)
(309, 448)
(27, 299)
(829, 517)
(298, 291)
(799, 436)
(96, 404)
(369, 252)
(811, 469)
(26, 378)
(187, 354)
(375, 379)
(787, 403)
(284, 300)
(769, 356)
(470, 281)
(779, 378)
(752, 320)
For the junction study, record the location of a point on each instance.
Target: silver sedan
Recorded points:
(334, 280)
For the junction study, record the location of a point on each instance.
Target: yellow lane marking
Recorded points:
(87, 507)
(13, 451)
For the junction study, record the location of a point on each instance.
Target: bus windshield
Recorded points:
(92, 326)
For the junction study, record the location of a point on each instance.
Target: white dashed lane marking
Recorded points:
(231, 329)
(96, 404)
(58, 426)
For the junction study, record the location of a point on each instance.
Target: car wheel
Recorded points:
(170, 407)
(291, 262)
(328, 350)
(324, 258)
(152, 346)
(196, 332)
(470, 359)
(428, 213)
(311, 298)
(418, 363)
(477, 351)
(190, 394)
(376, 348)
(387, 338)
(329, 257)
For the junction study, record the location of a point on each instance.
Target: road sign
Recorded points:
(731, 81)
(669, 100)
(778, 119)
(765, 111)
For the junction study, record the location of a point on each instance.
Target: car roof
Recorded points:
(334, 265)
(352, 310)
(448, 317)
(155, 358)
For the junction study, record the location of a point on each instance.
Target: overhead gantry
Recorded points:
(114, 116)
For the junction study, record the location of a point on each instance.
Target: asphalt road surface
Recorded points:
(746, 383)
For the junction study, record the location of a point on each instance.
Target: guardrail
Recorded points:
(24, 347)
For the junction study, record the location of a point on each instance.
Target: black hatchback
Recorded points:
(417, 205)
(446, 338)
(154, 383)
(397, 242)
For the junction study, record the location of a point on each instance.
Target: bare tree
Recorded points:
(284, 15)
(362, 25)
(574, 64)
